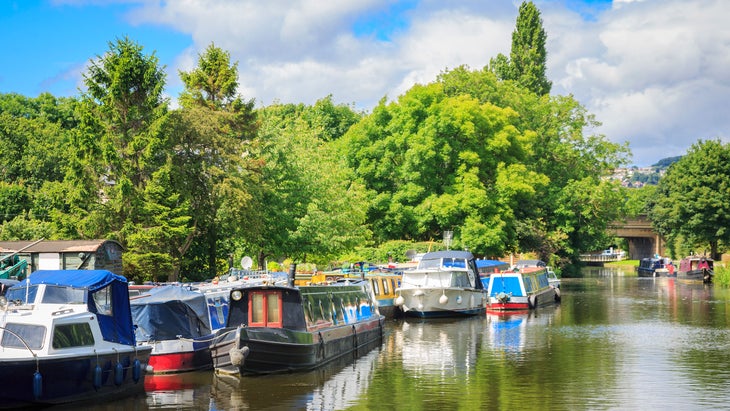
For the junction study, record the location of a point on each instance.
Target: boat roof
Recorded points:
(433, 255)
(165, 312)
(91, 279)
(116, 325)
(530, 263)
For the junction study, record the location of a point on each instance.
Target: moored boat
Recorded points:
(696, 269)
(655, 267)
(174, 321)
(66, 336)
(521, 289)
(275, 328)
(445, 283)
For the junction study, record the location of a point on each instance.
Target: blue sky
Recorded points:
(654, 72)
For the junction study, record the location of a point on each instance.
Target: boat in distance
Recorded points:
(281, 328)
(521, 289)
(696, 269)
(444, 284)
(67, 336)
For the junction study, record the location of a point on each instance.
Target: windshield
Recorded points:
(19, 294)
(54, 294)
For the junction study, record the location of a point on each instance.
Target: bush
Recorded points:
(722, 275)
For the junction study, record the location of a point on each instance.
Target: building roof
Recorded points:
(52, 246)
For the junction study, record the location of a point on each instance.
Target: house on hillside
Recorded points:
(66, 254)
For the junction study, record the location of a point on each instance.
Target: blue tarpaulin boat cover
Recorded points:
(116, 327)
(170, 312)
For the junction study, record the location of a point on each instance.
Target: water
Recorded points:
(614, 343)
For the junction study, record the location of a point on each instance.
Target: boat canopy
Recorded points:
(107, 297)
(170, 312)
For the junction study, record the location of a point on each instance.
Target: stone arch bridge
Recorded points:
(643, 240)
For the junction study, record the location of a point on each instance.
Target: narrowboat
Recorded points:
(282, 328)
(383, 283)
(521, 289)
(654, 267)
(174, 321)
(383, 286)
(696, 269)
(67, 336)
(218, 290)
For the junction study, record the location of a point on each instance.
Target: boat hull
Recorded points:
(276, 350)
(543, 298)
(72, 378)
(430, 302)
(696, 276)
(181, 355)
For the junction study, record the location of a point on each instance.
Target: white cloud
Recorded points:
(655, 72)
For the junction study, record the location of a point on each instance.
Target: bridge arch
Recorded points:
(643, 240)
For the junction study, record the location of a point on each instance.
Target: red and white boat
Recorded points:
(174, 321)
(521, 289)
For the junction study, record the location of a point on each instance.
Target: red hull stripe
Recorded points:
(175, 362)
(507, 306)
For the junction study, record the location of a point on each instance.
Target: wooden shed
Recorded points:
(66, 254)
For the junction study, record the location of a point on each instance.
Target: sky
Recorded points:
(654, 73)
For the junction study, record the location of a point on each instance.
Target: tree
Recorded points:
(528, 56)
(119, 148)
(562, 156)
(315, 206)
(436, 162)
(692, 200)
(213, 83)
(213, 134)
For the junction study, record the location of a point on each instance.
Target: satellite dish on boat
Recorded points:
(246, 262)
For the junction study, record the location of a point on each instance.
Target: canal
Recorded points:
(615, 342)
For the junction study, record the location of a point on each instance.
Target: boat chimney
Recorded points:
(292, 273)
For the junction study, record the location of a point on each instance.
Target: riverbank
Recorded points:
(626, 266)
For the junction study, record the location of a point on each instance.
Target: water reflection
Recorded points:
(508, 332)
(332, 387)
(616, 341)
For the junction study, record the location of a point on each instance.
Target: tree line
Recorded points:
(486, 153)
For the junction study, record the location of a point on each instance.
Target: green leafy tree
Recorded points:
(692, 200)
(315, 206)
(435, 163)
(528, 56)
(34, 138)
(561, 152)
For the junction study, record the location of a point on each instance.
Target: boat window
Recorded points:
(528, 281)
(454, 263)
(264, 309)
(103, 301)
(19, 294)
(459, 279)
(429, 264)
(376, 288)
(15, 334)
(439, 279)
(72, 335)
(64, 295)
(386, 290)
(543, 280)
